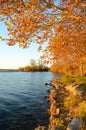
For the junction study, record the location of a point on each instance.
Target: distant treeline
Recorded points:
(9, 70)
(35, 66)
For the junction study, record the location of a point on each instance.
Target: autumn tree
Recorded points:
(32, 63)
(27, 68)
(40, 64)
(61, 23)
(68, 45)
(34, 66)
(29, 20)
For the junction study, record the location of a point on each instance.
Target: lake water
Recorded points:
(23, 105)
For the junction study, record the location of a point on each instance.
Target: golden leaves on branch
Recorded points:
(62, 26)
(68, 43)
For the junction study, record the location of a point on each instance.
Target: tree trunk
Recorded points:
(81, 69)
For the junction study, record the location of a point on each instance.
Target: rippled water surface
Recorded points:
(23, 105)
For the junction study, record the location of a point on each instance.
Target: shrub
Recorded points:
(80, 80)
(82, 109)
(73, 79)
(70, 101)
(67, 79)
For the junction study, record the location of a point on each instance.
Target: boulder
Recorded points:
(41, 128)
(53, 128)
(75, 123)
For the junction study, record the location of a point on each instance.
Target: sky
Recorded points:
(13, 57)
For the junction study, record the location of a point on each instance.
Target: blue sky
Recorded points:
(13, 56)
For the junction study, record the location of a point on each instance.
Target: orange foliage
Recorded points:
(62, 25)
(68, 45)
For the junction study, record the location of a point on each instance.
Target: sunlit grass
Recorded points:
(74, 79)
(80, 80)
(67, 79)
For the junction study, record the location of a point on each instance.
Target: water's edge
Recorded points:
(23, 103)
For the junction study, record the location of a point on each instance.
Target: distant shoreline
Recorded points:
(9, 70)
(17, 70)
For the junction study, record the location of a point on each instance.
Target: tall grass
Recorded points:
(73, 79)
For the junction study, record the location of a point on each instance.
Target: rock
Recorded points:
(53, 108)
(72, 89)
(53, 128)
(41, 128)
(45, 128)
(57, 111)
(75, 123)
(47, 83)
(48, 90)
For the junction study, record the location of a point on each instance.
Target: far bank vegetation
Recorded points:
(70, 69)
(35, 66)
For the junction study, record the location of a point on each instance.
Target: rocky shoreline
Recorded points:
(62, 117)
